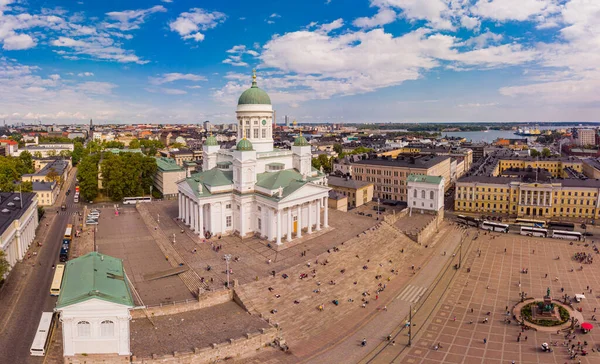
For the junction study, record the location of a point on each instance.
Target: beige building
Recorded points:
(358, 192)
(389, 175)
(46, 192)
(337, 201)
(586, 137)
(167, 175)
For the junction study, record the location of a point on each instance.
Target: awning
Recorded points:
(587, 326)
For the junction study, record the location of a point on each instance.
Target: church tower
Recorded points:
(244, 167)
(209, 153)
(302, 155)
(255, 117)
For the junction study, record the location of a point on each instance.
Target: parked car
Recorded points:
(91, 222)
(587, 233)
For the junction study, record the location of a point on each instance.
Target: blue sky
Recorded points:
(177, 61)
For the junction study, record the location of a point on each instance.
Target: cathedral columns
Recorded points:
(201, 220)
(318, 214)
(180, 206)
(326, 214)
(310, 217)
(299, 234)
(193, 216)
(278, 227)
(289, 224)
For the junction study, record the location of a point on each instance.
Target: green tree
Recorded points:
(38, 155)
(52, 175)
(134, 144)
(534, 153)
(338, 148)
(325, 162)
(77, 153)
(546, 152)
(25, 163)
(51, 153)
(315, 163)
(113, 144)
(65, 153)
(150, 147)
(26, 186)
(176, 145)
(87, 173)
(4, 265)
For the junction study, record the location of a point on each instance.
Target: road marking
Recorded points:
(412, 293)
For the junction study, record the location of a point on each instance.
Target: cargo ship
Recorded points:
(528, 132)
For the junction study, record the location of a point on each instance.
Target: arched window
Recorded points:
(431, 195)
(107, 328)
(415, 194)
(84, 329)
(423, 194)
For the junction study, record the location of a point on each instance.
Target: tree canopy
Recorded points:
(12, 168)
(127, 174)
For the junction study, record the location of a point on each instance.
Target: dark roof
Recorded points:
(346, 182)
(421, 161)
(42, 186)
(592, 162)
(336, 195)
(10, 207)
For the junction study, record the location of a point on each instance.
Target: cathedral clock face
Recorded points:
(264, 122)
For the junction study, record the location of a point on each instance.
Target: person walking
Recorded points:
(485, 340)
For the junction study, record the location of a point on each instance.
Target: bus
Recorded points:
(68, 232)
(42, 335)
(57, 280)
(64, 253)
(565, 226)
(135, 200)
(495, 226)
(568, 235)
(468, 220)
(529, 222)
(531, 231)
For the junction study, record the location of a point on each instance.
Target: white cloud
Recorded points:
(131, 19)
(172, 77)
(470, 22)
(435, 12)
(167, 1)
(275, 15)
(85, 74)
(189, 24)
(236, 53)
(97, 88)
(384, 16)
(100, 47)
(483, 40)
(18, 42)
(520, 10)
(336, 24)
(54, 77)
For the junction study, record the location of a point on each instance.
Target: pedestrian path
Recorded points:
(412, 293)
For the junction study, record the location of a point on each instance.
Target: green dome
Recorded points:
(244, 145)
(300, 141)
(211, 141)
(254, 95)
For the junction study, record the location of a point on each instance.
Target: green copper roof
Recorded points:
(254, 95)
(94, 275)
(244, 145)
(300, 141)
(211, 141)
(167, 165)
(421, 178)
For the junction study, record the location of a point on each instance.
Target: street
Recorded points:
(25, 294)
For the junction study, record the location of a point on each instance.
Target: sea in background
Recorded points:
(491, 135)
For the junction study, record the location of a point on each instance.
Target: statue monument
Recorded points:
(546, 310)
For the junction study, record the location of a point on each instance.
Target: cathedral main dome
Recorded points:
(254, 95)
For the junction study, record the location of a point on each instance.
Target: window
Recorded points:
(431, 195)
(422, 194)
(255, 133)
(228, 221)
(84, 329)
(415, 194)
(107, 328)
(259, 209)
(255, 122)
(264, 133)
(228, 206)
(259, 224)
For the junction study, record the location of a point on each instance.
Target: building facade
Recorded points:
(94, 304)
(358, 192)
(46, 192)
(389, 176)
(167, 175)
(425, 193)
(585, 136)
(18, 222)
(255, 189)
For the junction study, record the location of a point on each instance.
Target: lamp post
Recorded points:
(378, 200)
(227, 258)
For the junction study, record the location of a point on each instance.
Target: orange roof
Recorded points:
(8, 141)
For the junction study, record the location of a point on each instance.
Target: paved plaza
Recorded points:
(494, 282)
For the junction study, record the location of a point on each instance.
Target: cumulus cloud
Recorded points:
(189, 24)
(131, 19)
(85, 74)
(520, 10)
(384, 16)
(18, 42)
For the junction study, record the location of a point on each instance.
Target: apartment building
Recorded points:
(46, 192)
(167, 175)
(585, 136)
(389, 175)
(358, 192)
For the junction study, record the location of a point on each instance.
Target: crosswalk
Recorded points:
(412, 293)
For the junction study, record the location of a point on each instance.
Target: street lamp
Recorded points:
(378, 200)
(410, 326)
(227, 258)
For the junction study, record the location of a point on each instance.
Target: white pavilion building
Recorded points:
(255, 189)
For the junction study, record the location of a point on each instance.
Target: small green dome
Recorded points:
(244, 145)
(254, 95)
(211, 141)
(300, 141)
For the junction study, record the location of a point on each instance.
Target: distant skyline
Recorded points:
(336, 61)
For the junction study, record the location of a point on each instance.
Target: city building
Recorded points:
(46, 192)
(208, 126)
(358, 192)
(425, 193)
(94, 305)
(585, 136)
(167, 175)
(45, 150)
(185, 155)
(389, 175)
(337, 201)
(255, 189)
(11, 147)
(57, 171)
(543, 187)
(18, 222)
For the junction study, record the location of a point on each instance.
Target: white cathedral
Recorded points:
(255, 189)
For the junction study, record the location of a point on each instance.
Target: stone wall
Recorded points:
(232, 349)
(206, 299)
(423, 235)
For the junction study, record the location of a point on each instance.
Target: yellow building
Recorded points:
(358, 192)
(546, 193)
(389, 175)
